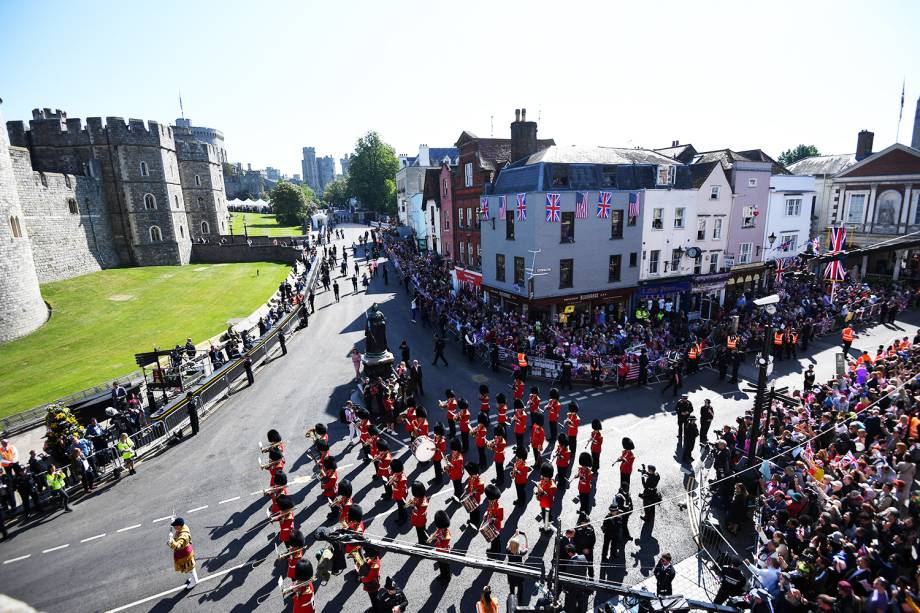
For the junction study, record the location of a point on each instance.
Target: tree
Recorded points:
(289, 204)
(336, 193)
(800, 152)
(371, 173)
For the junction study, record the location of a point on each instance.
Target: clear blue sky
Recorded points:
(276, 76)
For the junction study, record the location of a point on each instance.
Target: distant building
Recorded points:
(410, 184)
(308, 165)
(325, 173)
(345, 163)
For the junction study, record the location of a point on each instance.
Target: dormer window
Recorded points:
(666, 173)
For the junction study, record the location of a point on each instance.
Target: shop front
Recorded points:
(666, 295)
(581, 309)
(742, 279)
(509, 302)
(706, 295)
(466, 279)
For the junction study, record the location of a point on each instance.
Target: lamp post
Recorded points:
(763, 361)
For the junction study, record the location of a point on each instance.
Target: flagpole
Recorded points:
(897, 137)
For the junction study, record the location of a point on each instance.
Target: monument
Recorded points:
(377, 360)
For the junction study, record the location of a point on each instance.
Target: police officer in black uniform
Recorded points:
(684, 410)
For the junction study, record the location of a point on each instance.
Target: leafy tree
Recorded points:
(336, 193)
(800, 152)
(289, 204)
(371, 173)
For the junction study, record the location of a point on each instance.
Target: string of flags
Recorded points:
(553, 206)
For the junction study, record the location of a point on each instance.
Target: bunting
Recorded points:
(633, 204)
(834, 270)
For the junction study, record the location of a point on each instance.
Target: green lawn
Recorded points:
(258, 224)
(99, 321)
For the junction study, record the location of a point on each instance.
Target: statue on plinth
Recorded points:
(377, 358)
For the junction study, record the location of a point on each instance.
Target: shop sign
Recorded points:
(712, 282)
(468, 277)
(663, 289)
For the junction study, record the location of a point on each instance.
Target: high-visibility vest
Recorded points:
(7, 455)
(55, 481)
(848, 335)
(905, 344)
(732, 342)
(795, 338)
(522, 360)
(778, 338)
(692, 353)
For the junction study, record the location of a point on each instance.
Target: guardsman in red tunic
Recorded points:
(274, 466)
(285, 518)
(409, 415)
(372, 451)
(420, 425)
(440, 447)
(384, 458)
(463, 415)
(329, 478)
(484, 399)
(389, 408)
(338, 509)
(517, 387)
(274, 441)
(419, 506)
(440, 539)
(369, 573)
(533, 401)
(279, 489)
(597, 442)
(521, 473)
(537, 439)
(474, 491)
(364, 424)
(296, 546)
(563, 459)
(502, 410)
(572, 421)
(520, 422)
(497, 445)
(450, 407)
(546, 492)
(480, 434)
(355, 523)
(552, 413)
(303, 587)
(494, 516)
(400, 489)
(585, 481)
(455, 468)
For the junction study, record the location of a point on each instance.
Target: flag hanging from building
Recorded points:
(633, 204)
(581, 205)
(784, 265)
(553, 210)
(484, 208)
(502, 207)
(838, 238)
(834, 270)
(603, 205)
(521, 207)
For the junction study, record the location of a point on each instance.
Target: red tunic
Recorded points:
(363, 426)
(286, 527)
(495, 514)
(442, 539)
(356, 527)
(563, 456)
(292, 562)
(537, 437)
(552, 410)
(475, 488)
(383, 464)
(498, 446)
(549, 493)
(400, 486)
(574, 421)
(371, 580)
(330, 483)
(464, 420)
(520, 421)
(410, 419)
(484, 403)
(275, 499)
(419, 517)
(421, 427)
(584, 479)
(626, 466)
(344, 506)
(533, 403)
(456, 466)
(273, 471)
(503, 413)
(440, 446)
(518, 389)
(521, 471)
(597, 441)
(451, 409)
(480, 436)
(303, 598)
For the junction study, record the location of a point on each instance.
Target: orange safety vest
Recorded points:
(732, 342)
(905, 345)
(7, 455)
(848, 335)
(692, 353)
(522, 360)
(777, 338)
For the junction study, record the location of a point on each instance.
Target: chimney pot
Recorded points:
(517, 114)
(864, 144)
(523, 114)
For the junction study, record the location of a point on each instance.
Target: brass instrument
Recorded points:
(270, 447)
(278, 516)
(290, 552)
(272, 490)
(270, 465)
(311, 434)
(358, 556)
(287, 591)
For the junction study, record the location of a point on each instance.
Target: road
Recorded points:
(111, 554)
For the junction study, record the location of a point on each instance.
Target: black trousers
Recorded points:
(438, 472)
(584, 498)
(608, 547)
(537, 458)
(421, 535)
(562, 477)
(495, 547)
(482, 457)
(595, 461)
(519, 437)
(452, 427)
(573, 443)
(704, 430)
(553, 430)
(401, 514)
(443, 571)
(521, 496)
(458, 488)
(499, 473)
(465, 441)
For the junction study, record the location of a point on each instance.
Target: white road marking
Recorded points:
(175, 589)
(579, 398)
(93, 538)
(255, 492)
(162, 518)
(597, 394)
(197, 509)
(125, 529)
(17, 559)
(56, 548)
(229, 500)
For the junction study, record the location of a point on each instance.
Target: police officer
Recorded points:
(390, 598)
(707, 414)
(723, 358)
(736, 364)
(690, 434)
(650, 496)
(684, 410)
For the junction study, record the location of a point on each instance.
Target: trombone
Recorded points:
(273, 490)
(270, 446)
(287, 591)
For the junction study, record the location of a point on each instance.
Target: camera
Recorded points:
(642, 469)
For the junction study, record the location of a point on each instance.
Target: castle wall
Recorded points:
(202, 185)
(217, 254)
(67, 220)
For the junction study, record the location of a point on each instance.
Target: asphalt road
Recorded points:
(111, 554)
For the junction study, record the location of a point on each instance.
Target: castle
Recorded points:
(75, 199)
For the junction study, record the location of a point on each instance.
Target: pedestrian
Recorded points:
(493, 356)
(335, 290)
(684, 408)
(386, 277)
(356, 362)
(439, 345)
(310, 298)
(674, 379)
(707, 414)
(664, 575)
(57, 484)
(689, 443)
(610, 529)
(404, 351)
(180, 541)
(737, 356)
(354, 284)
(585, 539)
(125, 448)
(650, 496)
(565, 379)
(351, 418)
(486, 603)
(847, 337)
(414, 308)
(732, 581)
(192, 404)
(643, 367)
(415, 375)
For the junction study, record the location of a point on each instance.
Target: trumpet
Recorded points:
(311, 434)
(278, 516)
(270, 447)
(287, 591)
(358, 556)
(273, 490)
(270, 465)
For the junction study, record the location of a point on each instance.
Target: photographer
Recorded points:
(650, 495)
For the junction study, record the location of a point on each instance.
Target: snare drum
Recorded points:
(469, 503)
(423, 448)
(489, 532)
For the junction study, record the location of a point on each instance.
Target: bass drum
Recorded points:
(423, 449)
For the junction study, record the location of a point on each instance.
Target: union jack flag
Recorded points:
(502, 207)
(834, 270)
(581, 205)
(816, 245)
(553, 209)
(783, 265)
(484, 208)
(838, 238)
(521, 207)
(633, 204)
(603, 205)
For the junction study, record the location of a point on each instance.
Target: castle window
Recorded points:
(197, 181)
(200, 202)
(176, 199)
(205, 228)
(67, 181)
(44, 179)
(145, 172)
(14, 225)
(72, 206)
(182, 231)
(155, 234)
(150, 203)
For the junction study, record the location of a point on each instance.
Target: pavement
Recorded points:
(110, 554)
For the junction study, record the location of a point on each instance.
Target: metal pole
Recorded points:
(557, 596)
(761, 391)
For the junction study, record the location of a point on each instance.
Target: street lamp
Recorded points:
(763, 360)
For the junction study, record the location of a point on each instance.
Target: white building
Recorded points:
(788, 225)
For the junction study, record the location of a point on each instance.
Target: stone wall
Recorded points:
(67, 221)
(220, 254)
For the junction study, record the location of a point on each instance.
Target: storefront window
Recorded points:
(519, 271)
(565, 273)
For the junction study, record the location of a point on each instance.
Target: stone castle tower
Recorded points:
(22, 308)
(202, 180)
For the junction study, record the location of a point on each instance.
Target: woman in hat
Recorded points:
(180, 541)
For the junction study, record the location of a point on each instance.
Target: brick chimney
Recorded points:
(523, 136)
(864, 144)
